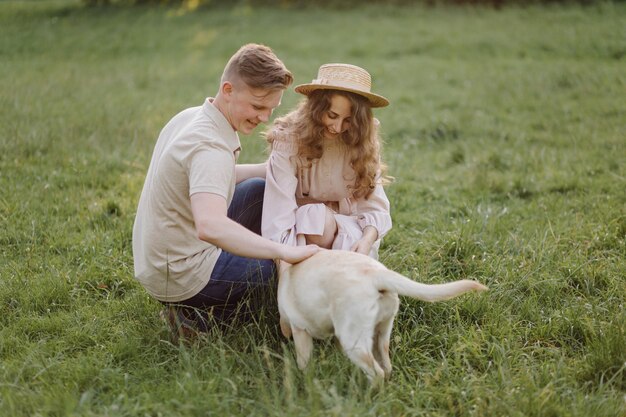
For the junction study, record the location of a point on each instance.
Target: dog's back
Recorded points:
(329, 274)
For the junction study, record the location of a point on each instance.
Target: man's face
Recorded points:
(248, 107)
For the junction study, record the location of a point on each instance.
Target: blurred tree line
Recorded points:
(339, 4)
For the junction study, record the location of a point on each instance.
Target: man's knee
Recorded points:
(247, 205)
(263, 272)
(253, 187)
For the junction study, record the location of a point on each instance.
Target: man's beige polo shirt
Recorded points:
(195, 152)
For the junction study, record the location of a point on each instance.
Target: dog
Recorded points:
(353, 297)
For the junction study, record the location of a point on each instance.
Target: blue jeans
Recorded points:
(237, 284)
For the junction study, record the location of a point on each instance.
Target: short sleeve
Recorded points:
(211, 170)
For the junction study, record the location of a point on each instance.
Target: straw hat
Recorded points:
(344, 77)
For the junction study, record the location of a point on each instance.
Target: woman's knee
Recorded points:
(330, 232)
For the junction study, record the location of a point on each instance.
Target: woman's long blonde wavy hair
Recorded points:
(361, 137)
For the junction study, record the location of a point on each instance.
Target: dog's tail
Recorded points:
(392, 281)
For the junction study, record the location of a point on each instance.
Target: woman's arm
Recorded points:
(364, 245)
(279, 203)
(374, 218)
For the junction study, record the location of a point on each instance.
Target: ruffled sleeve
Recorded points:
(279, 203)
(374, 211)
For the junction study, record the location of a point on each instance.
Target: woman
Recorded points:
(324, 175)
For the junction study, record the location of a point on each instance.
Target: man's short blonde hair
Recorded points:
(258, 67)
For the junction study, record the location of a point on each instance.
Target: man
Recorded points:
(196, 239)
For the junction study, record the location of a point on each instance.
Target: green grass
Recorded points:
(506, 135)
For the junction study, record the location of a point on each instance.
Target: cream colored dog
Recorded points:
(353, 297)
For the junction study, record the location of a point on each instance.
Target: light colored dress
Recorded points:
(296, 196)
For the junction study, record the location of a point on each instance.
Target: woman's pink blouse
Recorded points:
(295, 195)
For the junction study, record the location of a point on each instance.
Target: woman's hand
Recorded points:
(364, 245)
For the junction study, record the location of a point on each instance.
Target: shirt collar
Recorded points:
(231, 138)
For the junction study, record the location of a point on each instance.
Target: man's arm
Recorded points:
(214, 226)
(245, 171)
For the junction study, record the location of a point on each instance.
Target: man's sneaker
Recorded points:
(180, 326)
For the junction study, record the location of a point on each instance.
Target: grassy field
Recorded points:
(507, 138)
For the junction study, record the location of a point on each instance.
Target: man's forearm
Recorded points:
(245, 171)
(236, 239)
(214, 226)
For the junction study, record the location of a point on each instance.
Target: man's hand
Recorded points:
(295, 254)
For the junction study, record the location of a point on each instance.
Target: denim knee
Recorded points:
(253, 187)
(247, 204)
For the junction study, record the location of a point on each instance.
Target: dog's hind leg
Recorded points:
(388, 304)
(382, 336)
(304, 346)
(358, 347)
(285, 328)
(364, 359)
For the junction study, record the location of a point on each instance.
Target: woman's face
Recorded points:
(337, 118)
(248, 107)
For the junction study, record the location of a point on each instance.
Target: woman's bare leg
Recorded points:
(330, 231)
